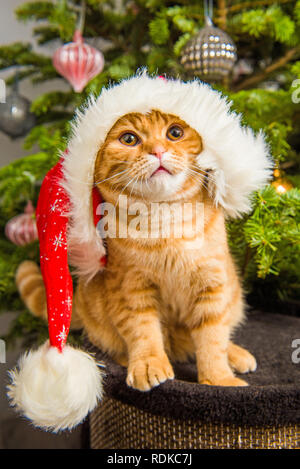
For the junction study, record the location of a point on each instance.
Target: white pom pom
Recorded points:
(55, 390)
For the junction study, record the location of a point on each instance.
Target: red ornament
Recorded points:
(78, 62)
(21, 229)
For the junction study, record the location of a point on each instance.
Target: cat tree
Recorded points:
(183, 414)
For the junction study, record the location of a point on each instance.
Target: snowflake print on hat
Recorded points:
(52, 223)
(51, 216)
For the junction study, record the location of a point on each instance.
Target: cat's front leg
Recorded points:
(210, 330)
(211, 341)
(148, 364)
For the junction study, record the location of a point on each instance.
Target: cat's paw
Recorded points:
(228, 381)
(240, 359)
(144, 374)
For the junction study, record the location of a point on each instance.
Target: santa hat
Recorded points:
(57, 385)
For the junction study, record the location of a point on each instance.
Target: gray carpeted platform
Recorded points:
(273, 397)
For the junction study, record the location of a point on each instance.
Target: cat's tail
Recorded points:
(32, 290)
(31, 287)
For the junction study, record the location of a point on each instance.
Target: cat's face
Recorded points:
(150, 155)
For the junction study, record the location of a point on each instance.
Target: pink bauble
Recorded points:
(21, 229)
(78, 62)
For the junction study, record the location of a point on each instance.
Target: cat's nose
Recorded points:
(158, 151)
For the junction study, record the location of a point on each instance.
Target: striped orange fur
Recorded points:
(157, 301)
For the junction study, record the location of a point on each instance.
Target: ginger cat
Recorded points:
(157, 299)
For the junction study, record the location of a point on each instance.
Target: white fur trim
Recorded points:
(55, 390)
(239, 160)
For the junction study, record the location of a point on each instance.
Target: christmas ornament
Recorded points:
(78, 62)
(15, 117)
(21, 229)
(211, 53)
(280, 184)
(56, 386)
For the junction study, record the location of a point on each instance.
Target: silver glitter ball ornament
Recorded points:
(15, 117)
(210, 54)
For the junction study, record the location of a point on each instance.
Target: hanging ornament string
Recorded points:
(81, 20)
(77, 61)
(208, 10)
(15, 84)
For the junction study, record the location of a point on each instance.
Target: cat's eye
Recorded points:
(129, 139)
(175, 132)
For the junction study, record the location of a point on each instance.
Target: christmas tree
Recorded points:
(264, 86)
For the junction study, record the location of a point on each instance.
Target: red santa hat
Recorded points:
(57, 385)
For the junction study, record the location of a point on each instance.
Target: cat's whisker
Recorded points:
(111, 177)
(147, 184)
(199, 175)
(94, 183)
(134, 183)
(207, 178)
(118, 199)
(199, 178)
(115, 187)
(146, 181)
(141, 177)
(203, 171)
(144, 170)
(208, 174)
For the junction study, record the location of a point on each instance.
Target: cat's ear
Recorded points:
(235, 169)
